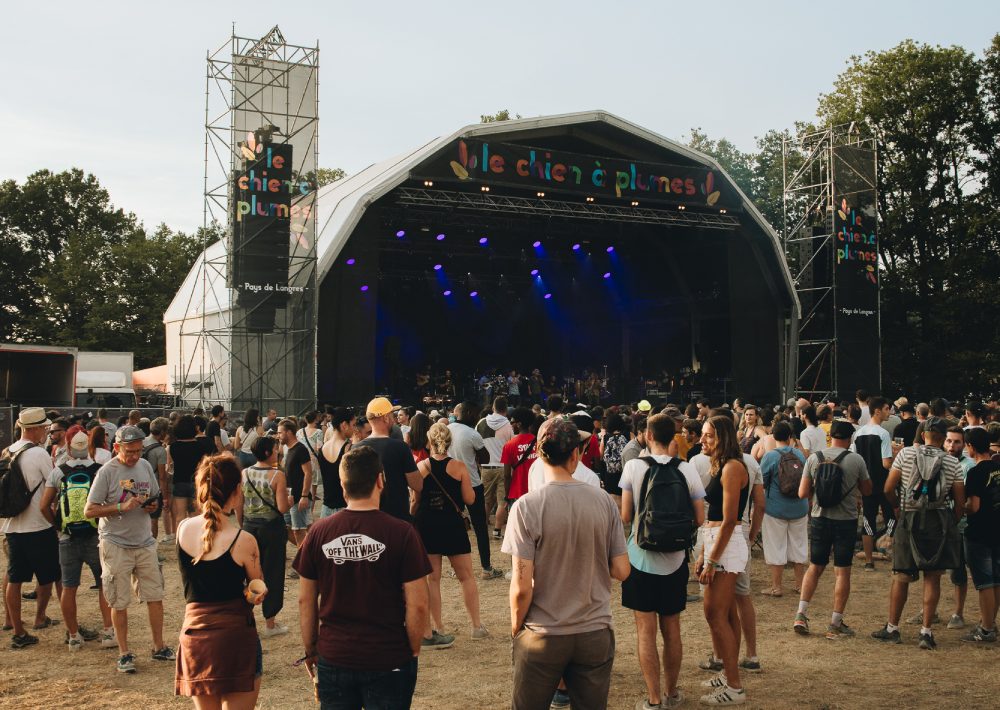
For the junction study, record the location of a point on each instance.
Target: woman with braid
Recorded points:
(219, 655)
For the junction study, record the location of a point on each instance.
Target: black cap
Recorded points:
(841, 429)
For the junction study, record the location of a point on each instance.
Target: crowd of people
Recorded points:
(656, 497)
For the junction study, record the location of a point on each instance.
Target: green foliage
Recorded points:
(502, 115)
(87, 274)
(324, 176)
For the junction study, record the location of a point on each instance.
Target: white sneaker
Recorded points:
(278, 630)
(718, 681)
(725, 696)
(108, 639)
(167, 539)
(75, 642)
(480, 633)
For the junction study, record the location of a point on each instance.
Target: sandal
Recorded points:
(772, 592)
(45, 624)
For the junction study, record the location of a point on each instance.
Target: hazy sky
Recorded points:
(117, 88)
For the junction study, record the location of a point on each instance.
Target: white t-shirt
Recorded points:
(866, 415)
(536, 476)
(35, 464)
(633, 474)
(465, 442)
(102, 455)
(813, 438)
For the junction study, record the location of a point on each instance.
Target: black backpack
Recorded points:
(830, 481)
(665, 522)
(14, 494)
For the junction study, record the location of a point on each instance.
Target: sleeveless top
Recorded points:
(186, 456)
(433, 500)
(713, 497)
(248, 438)
(218, 580)
(333, 492)
(748, 441)
(259, 504)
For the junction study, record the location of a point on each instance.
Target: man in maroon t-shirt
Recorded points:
(363, 576)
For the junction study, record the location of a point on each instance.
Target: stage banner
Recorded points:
(856, 271)
(547, 170)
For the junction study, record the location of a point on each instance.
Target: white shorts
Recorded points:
(785, 540)
(737, 553)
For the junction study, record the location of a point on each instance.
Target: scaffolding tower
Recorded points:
(244, 352)
(819, 169)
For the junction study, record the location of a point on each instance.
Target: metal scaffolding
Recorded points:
(269, 89)
(816, 171)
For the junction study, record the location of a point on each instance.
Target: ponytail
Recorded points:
(216, 479)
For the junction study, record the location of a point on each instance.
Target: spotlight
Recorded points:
(447, 293)
(473, 294)
(437, 267)
(635, 203)
(541, 194)
(484, 241)
(610, 249)
(576, 247)
(548, 296)
(534, 272)
(428, 183)
(440, 237)
(681, 207)
(589, 198)
(485, 188)
(722, 211)
(350, 262)
(400, 234)
(607, 274)
(536, 244)
(364, 288)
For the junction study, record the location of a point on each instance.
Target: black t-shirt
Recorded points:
(694, 451)
(186, 456)
(296, 457)
(984, 481)
(211, 431)
(906, 430)
(397, 461)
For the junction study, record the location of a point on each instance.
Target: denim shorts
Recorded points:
(984, 563)
(325, 512)
(342, 688)
(74, 553)
(298, 519)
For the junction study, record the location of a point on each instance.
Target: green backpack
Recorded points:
(73, 493)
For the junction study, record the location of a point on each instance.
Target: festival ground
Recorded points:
(798, 672)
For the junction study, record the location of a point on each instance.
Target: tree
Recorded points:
(324, 176)
(502, 115)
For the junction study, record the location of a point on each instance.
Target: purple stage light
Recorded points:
(400, 234)
(576, 247)
(610, 249)
(447, 293)
(537, 244)
(473, 294)
(350, 262)
(548, 296)
(437, 267)
(483, 241)
(534, 272)
(607, 274)
(364, 288)
(440, 237)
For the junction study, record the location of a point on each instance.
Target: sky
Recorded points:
(118, 88)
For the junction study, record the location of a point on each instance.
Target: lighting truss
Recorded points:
(542, 207)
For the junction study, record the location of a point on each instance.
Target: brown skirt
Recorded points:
(217, 651)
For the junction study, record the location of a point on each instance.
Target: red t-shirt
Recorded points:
(420, 454)
(360, 561)
(593, 452)
(512, 452)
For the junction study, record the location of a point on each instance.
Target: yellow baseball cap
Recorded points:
(379, 407)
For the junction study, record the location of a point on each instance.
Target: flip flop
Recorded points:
(772, 593)
(7, 628)
(45, 624)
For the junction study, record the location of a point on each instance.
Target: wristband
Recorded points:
(119, 508)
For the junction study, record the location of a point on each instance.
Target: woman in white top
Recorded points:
(312, 436)
(246, 435)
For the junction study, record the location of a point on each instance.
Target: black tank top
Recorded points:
(333, 493)
(713, 497)
(218, 580)
(432, 498)
(186, 456)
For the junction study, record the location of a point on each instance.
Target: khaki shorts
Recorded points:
(493, 486)
(128, 570)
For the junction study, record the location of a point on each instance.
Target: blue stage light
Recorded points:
(607, 274)
(447, 293)
(400, 234)
(484, 241)
(534, 272)
(364, 288)
(350, 262)
(437, 267)
(610, 249)
(473, 294)
(548, 295)
(440, 237)
(576, 247)
(537, 244)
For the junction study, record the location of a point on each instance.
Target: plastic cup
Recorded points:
(255, 591)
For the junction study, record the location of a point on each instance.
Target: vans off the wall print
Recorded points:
(353, 548)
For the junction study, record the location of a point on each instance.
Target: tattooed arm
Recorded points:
(521, 592)
(247, 554)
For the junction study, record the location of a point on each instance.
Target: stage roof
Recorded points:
(342, 204)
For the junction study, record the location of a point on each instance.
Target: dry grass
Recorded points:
(798, 672)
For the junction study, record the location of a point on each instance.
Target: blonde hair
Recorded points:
(215, 481)
(439, 438)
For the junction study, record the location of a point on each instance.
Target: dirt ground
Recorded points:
(798, 672)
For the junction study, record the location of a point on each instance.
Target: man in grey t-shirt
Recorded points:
(833, 528)
(123, 495)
